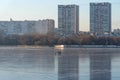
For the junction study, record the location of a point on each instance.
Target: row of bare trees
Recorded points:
(51, 39)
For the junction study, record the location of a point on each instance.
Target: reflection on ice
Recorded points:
(68, 65)
(100, 66)
(59, 64)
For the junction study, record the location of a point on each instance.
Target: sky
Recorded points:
(48, 9)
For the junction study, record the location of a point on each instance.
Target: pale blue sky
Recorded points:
(43, 9)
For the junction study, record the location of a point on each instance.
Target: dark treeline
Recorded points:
(52, 39)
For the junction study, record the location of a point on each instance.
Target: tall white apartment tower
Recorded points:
(68, 19)
(100, 18)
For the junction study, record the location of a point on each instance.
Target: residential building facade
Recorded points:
(27, 27)
(100, 18)
(68, 19)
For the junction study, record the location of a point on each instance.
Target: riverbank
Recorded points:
(91, 46)
(63, 46)
(23, 47)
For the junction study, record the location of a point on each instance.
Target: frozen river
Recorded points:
(24, 63)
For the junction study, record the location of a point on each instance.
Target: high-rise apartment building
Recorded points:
(68, 19)
(100, 18)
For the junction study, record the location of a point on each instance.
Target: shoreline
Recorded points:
(62, 46)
